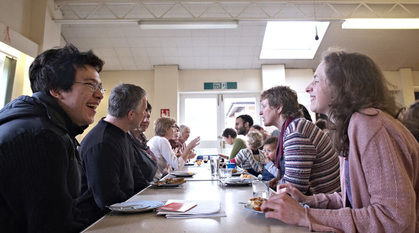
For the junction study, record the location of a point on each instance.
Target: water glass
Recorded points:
(260, 189)
(215, 163)
(225, 173)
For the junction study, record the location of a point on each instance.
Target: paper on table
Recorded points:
(221, 213)
(203, 208)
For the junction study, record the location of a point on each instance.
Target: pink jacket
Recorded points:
(384, 177)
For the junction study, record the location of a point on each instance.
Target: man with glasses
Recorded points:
(39, 162)
(110, 171)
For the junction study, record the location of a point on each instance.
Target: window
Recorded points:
(7, 73)
(292, 40)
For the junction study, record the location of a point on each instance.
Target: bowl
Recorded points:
(231, 165)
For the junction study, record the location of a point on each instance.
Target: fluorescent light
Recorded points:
(175, 24)
(96, 21)
(381, 24)
(292, 39)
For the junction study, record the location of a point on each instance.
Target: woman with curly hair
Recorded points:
(379, 157)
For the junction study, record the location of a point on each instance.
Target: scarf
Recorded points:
(142, 144)
(280, 146)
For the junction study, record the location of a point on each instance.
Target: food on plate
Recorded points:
(171, 181)
(256, 202)
(198, 162)
(233, 170)
(244, 176)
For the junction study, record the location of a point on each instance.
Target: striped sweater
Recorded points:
(311, 163)
(247, 160)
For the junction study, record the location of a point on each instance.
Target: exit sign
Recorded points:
(220, 85)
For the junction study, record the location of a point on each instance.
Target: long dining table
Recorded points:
(201, 187)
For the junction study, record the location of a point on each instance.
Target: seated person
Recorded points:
(174, 141)
(269, 151)
(260, 130)
(230, 137)
(110, 170)
(411, 119)
(164, 128)
(305, 155)
(184, 133)
(146, 160)
(379, 156)
(251, 158)
(39, 163)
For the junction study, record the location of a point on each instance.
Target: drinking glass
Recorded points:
(260, 189)
(225, 173)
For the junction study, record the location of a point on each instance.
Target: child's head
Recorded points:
(254, 140)
(270, 147)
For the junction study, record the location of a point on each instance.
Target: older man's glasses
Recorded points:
(94, 87)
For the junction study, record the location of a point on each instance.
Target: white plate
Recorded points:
(165, 185)
(135, 206)
(238, 181)
(182, 174)
(247, 206)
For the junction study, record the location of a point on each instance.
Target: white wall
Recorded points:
(193, 80)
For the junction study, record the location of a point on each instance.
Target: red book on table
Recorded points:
(177, 206)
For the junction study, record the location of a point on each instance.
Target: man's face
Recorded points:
(138, 113)
(240, 127)
(80, 102)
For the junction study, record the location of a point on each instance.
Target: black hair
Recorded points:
(246, 118)
(56, 68)
(229, 132)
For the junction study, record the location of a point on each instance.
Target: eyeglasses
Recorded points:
(94, 87)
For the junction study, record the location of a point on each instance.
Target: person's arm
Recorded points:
(103, 173)
(168, 154)
(271, 168)
(237, 146)
(240, 157)
(188, 152)
(299, 154)
(39, 186)
(384, 198)
(223, 156)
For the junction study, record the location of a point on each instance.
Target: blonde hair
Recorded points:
(162, 124)
(254, 139)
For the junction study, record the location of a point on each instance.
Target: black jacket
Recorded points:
(39, 167)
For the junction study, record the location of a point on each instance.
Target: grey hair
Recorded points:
(124, 98)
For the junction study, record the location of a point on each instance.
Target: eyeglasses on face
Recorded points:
(94, 86)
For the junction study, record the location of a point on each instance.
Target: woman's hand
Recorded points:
(295, 193)
(192, 154)
(193, 143)
(285, 208)
(223, 156)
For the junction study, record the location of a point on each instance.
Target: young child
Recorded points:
(269, 149)
(251, 158)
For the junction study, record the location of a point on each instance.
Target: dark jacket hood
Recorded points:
(39, 105)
